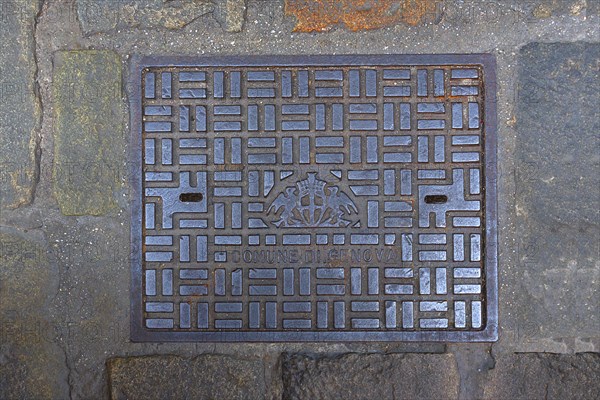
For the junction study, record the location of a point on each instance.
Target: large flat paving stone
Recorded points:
(89, 137)
(370, 376)
(31, 362)
(319, 16)
(173, 377)
(544, 376)
(90, 305)
(557, 295)
(107, 15)
(19, 107)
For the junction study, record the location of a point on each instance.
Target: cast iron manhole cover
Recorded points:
(314, 198)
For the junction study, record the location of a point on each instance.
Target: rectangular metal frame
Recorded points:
(487, 61)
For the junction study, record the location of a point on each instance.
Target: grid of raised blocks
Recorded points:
(313, 199)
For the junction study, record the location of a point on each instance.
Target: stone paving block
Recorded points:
(544, 376)
(556, 287)
(553, 8)
(89, 131)
(370, 376)
(530, 9)
(106, 15)
(236, 13)
(90, 305)
(537, 9)
(593, 8)
(19, 107)
(172, 377)
(513, 15)
(319, 15)
(31, 364)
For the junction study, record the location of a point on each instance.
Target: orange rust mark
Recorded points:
(322, 15)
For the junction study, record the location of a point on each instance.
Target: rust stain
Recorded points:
(322, 15)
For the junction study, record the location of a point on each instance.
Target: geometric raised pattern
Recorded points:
(345, 198)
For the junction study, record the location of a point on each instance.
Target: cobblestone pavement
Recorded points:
(65, 200)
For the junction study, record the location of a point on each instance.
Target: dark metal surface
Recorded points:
(323, 198)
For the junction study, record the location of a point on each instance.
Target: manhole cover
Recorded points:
(314, 198)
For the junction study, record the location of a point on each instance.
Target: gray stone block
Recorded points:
(370, 376)
(172, 377)
(90, 306)
(557, 196)
(19, 106)
(89, 131)
(107, 15)
(544, 376)
(32, 364)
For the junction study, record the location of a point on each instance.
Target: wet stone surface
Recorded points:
(89, 143)
(107, 15)
(19, 107)
(544, 376)
(64, 279)
(558, 192)
(369, 376)
(352, 209)
(323, 15)
(31, 361)
(171, 377)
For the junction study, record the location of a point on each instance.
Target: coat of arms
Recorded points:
(312, 203)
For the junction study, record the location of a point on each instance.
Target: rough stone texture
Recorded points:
(558, 194)
(19, 107)
(541, 9)
(549, 8)
(106, 15)
(231, 14)
(534, 9)
(236, 12)
(513, 13)
(473, 361)
(544, 376)
(89, 135)
(370, 376)
(91, 304)
(172, 377)
(31, 364)
(323, 15)
(593, 8)
(87, 291)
